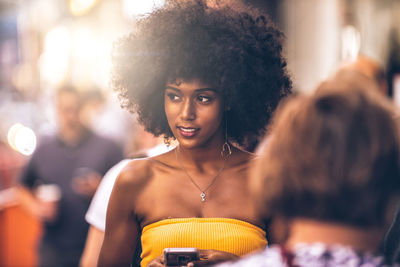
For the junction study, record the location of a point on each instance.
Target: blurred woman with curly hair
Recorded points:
(337, 197)
(209, 78)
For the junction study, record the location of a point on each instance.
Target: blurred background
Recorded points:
(47, 43)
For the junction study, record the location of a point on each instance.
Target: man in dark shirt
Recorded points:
(74, 160)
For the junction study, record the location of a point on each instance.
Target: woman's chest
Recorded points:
(184, 197)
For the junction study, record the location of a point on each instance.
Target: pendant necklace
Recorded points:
(203, 191)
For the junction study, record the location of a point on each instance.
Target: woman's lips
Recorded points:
(187, 131)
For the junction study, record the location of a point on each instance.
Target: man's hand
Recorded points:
(41, 205)
(87, 184)
(47, 211)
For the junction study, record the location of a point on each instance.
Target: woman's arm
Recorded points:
(91, 252)
(122, 228)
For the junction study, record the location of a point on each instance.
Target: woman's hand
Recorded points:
(211, 256)
(207, 257)
(157, 262)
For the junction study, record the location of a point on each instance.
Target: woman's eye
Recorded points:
(204, 99)
(173, 97)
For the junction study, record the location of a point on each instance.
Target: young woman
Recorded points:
(207, 77)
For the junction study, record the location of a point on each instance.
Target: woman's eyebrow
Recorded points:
(206, 89)
(197, 90)
(172, 88)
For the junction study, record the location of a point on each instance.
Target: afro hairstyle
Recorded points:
(237, 51)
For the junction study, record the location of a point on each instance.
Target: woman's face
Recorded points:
(194, 112)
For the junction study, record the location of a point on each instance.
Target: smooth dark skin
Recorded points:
(153, 189)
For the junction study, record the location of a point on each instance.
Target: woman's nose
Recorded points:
(188, 110)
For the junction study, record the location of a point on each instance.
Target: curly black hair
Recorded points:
(237, 51)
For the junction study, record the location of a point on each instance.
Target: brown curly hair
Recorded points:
(333, 156)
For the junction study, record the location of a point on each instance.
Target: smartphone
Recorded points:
(180, 256)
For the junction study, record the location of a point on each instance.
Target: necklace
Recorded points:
(203, 191)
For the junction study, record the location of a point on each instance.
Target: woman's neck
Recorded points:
(312, 231)
(199, 157)
(209, 151)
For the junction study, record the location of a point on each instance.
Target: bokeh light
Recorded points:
(12, 132)
(22, 139)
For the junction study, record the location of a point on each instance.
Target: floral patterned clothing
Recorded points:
(310, 255)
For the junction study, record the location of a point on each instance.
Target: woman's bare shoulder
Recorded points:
(140, 170)
(240, 157)
(135, 172)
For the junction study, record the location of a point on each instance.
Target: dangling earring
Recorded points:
(226, 147)
(167, 141)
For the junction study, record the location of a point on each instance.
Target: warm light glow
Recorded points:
(80, 7)
(54, 61)
(84, 43)
(22, 139)
(350, 43)
(84, 55)
(89, 56)
(140, 7)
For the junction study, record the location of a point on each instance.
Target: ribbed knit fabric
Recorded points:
(230, 235)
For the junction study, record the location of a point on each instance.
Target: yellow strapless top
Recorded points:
(230, 235)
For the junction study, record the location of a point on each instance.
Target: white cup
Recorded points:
(48, 193)
(49, 196)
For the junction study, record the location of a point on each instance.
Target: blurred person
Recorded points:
(19, 231)
(71, 164)
(373, 70)
(144, 145)
(330, 171)
(207, 77)
(11, 163)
